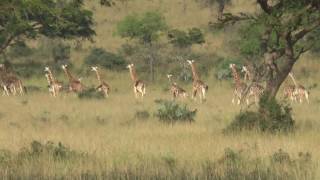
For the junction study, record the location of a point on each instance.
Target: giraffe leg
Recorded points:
(6, 90)
(135, 92)
(194, 93)
(306, 94)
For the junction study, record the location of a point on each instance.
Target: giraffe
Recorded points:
(240, 87)
(50, 87)
(103, 86)
(176, 91)
(54, 86)
(198, 86)
(138, 85)
(299, 90)
(10, 83)
(255, 90)
(288, 91)
(75, 85)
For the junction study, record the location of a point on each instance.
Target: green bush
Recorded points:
(171, 112)
(61, 53)
(142, 115)
(90, 93)
(101, 57)
(222, 69)
(184, 39)
(271, 117)
(56, 151)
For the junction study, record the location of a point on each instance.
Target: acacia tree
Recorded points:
(28, 19)
(145, 28)
(288, 26)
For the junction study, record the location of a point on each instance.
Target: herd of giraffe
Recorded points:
(11, 84)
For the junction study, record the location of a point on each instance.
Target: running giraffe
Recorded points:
(198, 86)
(139, 86)
(176, 90)
(54, 86)
(299, 90)
(103, 86)
(74, 84)
(10, 83)
(255, 90)
(240, 87)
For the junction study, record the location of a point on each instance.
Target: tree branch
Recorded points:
(302, 32)
(265, 6)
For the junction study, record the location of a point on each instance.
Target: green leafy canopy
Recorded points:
(146, 27)
(52, 18)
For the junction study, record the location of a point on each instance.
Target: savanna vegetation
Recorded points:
(87, 136)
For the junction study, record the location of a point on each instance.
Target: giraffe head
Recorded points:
(232, 66)
(94, 68)
(169, 76)
(64, 66)
(130, 66)
(46, 69)
(190, 62)
(244, 69)
(2, 66)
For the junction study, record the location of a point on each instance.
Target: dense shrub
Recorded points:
(56, 151)
(271, 117)
(90, 93)
(101, 57)
(172, 112)
(222, 69)
(61, 53)
(142, 115)
(20, 49)
(184, 39)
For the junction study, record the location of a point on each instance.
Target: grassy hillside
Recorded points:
(105, 139)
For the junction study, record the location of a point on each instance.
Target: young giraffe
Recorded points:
(198, 85)
(240, 87)
(74, 84)
(103, 86)
(10, 83)
(50, 87)
(54, 86)
(299, 90)
(288, 91)
(256, 90)
(138, 85)
(176, 91)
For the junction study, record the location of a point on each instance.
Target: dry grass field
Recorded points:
(108, 141)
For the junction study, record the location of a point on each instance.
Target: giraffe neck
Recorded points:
(236, 77)
(194, 72)
(70, 77)
(170, 80)
(133, 74)
(51, 75)
(49, 79)
(293, 79)
(98, 77)
(248, 74)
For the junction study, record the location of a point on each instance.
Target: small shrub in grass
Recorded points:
(90, 93)
(101, 57)
(56, 151)
(142, 115)
(271, 117)
(171, 112)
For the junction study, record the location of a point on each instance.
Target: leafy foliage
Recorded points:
(272, 117)
(52, 18)
(145, 27)
(171, 112)
(101, 57)
(90, 93)
(61, 53)
(184, 39)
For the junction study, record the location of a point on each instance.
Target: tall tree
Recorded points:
(287, 29)
(27, 19)
(145, 28)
